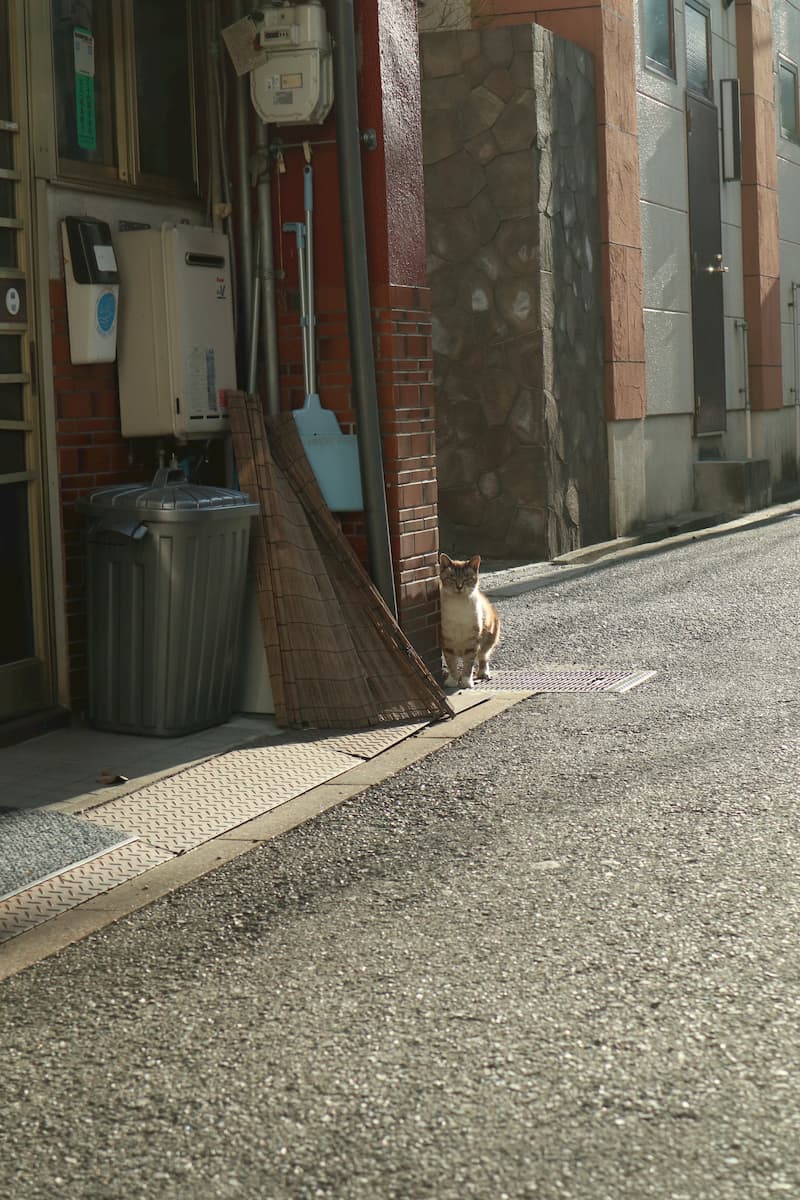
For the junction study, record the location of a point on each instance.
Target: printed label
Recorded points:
(83, 58)
(211, 379)
(105, 259)
(83, 52)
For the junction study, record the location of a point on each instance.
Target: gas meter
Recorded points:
(287, 51)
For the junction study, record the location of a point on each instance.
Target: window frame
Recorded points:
(653, 64)
(786, 64)
(127, 174)
(703, 10)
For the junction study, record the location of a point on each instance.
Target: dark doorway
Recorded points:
(708, 268)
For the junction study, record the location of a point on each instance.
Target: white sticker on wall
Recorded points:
(83, 52)
(105, 258)
(197, 381)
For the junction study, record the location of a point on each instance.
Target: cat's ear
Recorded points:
(445, 560)
(475, 563)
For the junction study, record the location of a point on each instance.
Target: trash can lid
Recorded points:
(170, 497)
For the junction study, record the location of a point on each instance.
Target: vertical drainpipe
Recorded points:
(359, 316)
(244, 216)
(745, 388)
(796, 348)
(214, 158)
(269, 318)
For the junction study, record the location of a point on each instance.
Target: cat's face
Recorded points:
(459, 574)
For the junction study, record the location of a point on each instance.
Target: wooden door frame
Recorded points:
(39, 410)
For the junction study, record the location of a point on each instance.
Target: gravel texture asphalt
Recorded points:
(556, 959)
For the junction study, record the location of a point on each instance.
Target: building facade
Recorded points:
(696, 110)
(106, 112)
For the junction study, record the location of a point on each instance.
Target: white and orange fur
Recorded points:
(470, 626)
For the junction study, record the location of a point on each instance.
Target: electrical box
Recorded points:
(295, 83)
(177, 354)
(90, 272)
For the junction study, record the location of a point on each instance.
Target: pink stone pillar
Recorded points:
(760, 236)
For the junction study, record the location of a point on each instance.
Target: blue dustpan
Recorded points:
(333, 455)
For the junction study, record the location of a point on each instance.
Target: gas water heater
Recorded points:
(176, 352)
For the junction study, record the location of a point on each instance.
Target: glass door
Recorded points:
(24, 683)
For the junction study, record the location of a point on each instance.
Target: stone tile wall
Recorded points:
(513, 264)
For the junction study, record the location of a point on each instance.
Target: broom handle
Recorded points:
(311, 316)
(299, 231)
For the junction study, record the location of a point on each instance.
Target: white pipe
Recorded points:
(748, 427)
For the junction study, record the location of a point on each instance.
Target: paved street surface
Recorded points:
(559, 958)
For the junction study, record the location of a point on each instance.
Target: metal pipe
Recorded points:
(269, 316)
(354, 241)
(300, 233)
(255, 317)
(748, 427)
(244, 214)
(214, 159)
(221, 93)
(310, 311)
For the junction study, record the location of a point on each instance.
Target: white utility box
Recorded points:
(176, 349)
(90, 272)
(295, 84)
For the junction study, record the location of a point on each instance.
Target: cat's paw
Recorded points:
(450, 681)
(484, 674)
(469, 682)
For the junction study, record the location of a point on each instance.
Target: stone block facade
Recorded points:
(511, 200)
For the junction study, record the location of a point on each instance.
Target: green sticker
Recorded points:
(83, 55)
(84, 112)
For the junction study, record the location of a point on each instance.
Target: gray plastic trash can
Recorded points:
(167, 564)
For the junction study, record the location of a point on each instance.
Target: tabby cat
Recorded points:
(470, 625)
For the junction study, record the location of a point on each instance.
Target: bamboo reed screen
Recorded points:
(336, 656)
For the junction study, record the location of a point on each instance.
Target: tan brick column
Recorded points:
(606, 29)
(760, 236)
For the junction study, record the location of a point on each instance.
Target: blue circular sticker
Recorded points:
(106, 312)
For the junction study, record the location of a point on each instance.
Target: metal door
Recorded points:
(708, 268)
(24, 683)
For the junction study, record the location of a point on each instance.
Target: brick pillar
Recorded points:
(606, 29)
(760, 235)
(389, 103)
(395, 217)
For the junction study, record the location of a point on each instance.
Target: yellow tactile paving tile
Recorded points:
(45, 900)
(188, 809)
(366, 743)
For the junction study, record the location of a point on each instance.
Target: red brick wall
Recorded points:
(404, 370)
(91, 454)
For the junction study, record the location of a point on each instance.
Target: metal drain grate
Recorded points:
(564, 681)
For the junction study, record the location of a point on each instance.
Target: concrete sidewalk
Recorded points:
(239, 785)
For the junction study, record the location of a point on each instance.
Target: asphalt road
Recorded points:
(557, 959)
